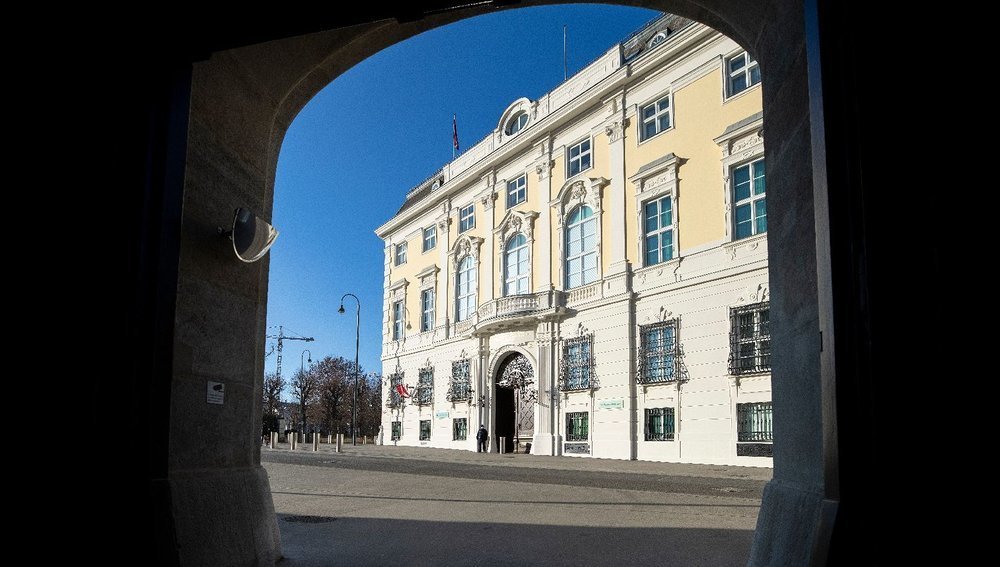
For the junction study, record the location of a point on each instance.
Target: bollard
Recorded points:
(503, 445)
(315, 442)
(292, 441)
(340, 442)
(274, 439)
(329, 438)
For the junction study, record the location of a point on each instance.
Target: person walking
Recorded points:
(482, 437)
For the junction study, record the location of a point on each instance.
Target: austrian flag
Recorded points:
(402, 391)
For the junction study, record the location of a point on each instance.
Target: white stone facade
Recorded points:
(710, 274)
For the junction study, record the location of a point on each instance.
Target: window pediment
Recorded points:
(579, 192)
(514, 222)
(466, 245)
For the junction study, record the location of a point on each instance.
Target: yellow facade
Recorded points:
(700, 114)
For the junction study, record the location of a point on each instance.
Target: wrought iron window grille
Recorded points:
(424, 395)
(660, 354)
(459, 384)
(754, 422)
(576, 367)
(395, 399)
(750, 339)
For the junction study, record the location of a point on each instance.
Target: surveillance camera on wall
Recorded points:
(252, 237)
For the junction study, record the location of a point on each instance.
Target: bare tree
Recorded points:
(369, 404)
(304, 386)
(334, 392)
(273, 385)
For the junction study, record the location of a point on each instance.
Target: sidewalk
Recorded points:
(533, 461)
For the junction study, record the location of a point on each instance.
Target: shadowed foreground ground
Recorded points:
(374, 505)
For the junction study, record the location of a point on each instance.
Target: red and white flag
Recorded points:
(401, 389)
(454, 132)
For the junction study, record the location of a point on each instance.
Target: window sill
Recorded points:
(740, 94)
(671, 263)
(657, 135)
(575, 176)
(754, 239)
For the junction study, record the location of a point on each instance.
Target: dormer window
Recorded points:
(658, 38)
(516, 124)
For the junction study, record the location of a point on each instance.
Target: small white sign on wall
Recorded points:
(216, 392)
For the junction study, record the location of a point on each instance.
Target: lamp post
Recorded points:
(302, 370)
(357, 342)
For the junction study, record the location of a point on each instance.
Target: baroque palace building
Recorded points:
(591, 278)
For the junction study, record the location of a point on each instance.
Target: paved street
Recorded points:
(375, 505)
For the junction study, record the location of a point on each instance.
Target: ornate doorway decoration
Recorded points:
(518, 375)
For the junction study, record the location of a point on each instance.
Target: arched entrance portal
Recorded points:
(515, 397)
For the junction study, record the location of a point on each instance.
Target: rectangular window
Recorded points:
(658, 352)
(425, 430)
(750, 339)
(517, 191)
(466, 218)
(577, 426)
(459, 429)
(655, 118)
(400, 254)
(426, 310)
(659, 227)
(578, 158)
(397, 430)
(395, 398)
(577, 364)
(659, 424)
(743, 73)
(754, 422)
(425, 387)
(459, 389)
(430, 238)
(397, 320)
(749, 200)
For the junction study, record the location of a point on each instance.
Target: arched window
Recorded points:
(515, 124)
(465, 289)
(581, 247)
(516, 266)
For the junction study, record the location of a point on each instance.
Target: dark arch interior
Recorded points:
(212, 103)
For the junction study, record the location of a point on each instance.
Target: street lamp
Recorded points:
(357, 342)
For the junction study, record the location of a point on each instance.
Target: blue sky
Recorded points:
(384, 126)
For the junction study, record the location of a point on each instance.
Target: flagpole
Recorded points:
(454, 135)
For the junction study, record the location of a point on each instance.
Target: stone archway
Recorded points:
(515, 397)
(212, 137)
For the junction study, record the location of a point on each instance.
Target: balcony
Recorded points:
(513, 311)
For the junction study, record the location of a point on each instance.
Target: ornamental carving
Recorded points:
(574, 193)
(615, 131)
(512, 223)
(466, 245)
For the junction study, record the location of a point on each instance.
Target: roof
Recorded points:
(631, 47)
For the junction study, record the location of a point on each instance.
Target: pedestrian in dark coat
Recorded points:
(482, 437)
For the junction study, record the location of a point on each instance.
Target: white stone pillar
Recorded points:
(543, 233)
(546, 440)
(614, 127)
(443, 301)
(484, 391)
(486, 259)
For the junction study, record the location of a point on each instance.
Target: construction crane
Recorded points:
(282, 337)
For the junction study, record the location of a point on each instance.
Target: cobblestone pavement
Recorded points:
(385, 505)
